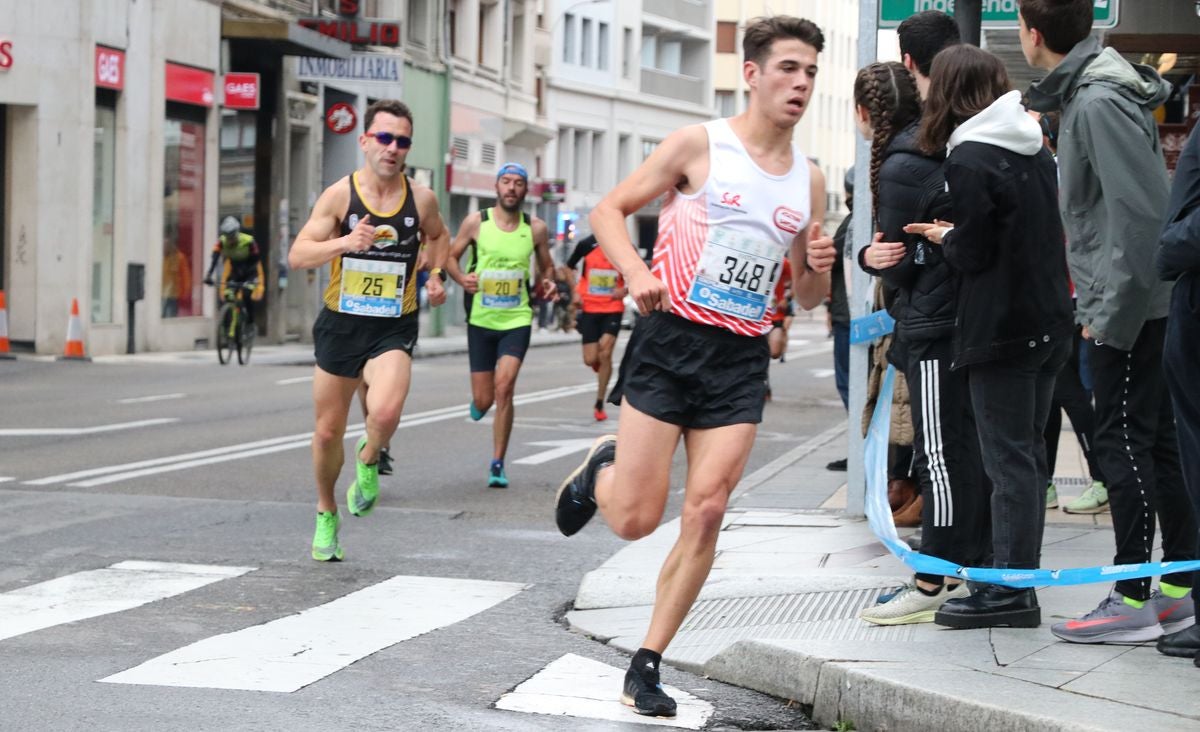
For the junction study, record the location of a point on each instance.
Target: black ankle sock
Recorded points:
(644, 657)
(600, 405)
(929, 593)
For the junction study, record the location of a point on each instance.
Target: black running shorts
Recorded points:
(485, 346)
(344, 343)
(693, 375)
(593, 325)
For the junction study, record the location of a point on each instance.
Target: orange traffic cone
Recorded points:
(4, 328)
(74, 348)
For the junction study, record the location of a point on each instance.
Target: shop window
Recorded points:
(104, 205)
(183, 211)
(236, 169)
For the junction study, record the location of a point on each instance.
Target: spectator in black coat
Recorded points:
(1014, 317)
(1178, 259)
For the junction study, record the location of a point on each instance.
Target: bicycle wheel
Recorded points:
(245, 340)
(225, 344)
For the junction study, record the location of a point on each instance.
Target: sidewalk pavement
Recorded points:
(779, 615)
(452, 342)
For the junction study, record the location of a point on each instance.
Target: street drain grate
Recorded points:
(804, 607)
(714, 625)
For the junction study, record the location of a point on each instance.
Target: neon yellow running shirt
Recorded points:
(502, 300)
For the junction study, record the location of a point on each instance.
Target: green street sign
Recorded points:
(996, 13)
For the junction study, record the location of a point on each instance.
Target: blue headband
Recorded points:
(513, 169)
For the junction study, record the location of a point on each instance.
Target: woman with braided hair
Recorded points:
(907, 185)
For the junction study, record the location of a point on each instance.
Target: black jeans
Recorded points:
(946, 460)
(1012, 398)
(1070, 396)
(1181, 364)
(1138, 450)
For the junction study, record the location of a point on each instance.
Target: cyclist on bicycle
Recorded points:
(243, 263)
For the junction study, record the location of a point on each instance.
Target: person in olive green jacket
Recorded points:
(1113, 198)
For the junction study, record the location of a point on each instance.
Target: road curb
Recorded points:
(939, 696)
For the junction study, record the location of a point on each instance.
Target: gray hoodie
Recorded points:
(1113, 187)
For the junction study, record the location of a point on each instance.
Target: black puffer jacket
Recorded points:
(912, 189)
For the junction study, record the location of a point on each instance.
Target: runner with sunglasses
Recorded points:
(368, 227)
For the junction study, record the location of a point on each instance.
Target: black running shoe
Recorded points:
(645, 694)
(575, 502)
(385, 462)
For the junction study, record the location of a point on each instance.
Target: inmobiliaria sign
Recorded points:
(350, 28)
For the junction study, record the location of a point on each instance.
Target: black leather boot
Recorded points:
(990, 606)
(1183, 644)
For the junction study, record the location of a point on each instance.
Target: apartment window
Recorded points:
(624, 168)
(670, 56)
(517, 62)
(103, 205)
(569, 39)
(566, 142)
(582, 149)
(454, 16)
(597, 161)
(648, 146)
(488, 34)
(417, 21)
(726, 36)
(726, 104)
(602, 46)
(626, 52)
(585, 42)
(649, 52)
(183, 210)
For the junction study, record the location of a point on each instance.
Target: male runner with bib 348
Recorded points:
(368, 227)
(739, 194)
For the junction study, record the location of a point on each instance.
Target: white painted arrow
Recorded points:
(558, 448)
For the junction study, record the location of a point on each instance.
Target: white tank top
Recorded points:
(720, 250)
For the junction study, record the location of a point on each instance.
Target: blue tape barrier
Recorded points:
(869, 327)
(879, 516)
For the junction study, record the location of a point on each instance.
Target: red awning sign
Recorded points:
(241, 90)
(110, 68)
(341, 118)
(189, 85)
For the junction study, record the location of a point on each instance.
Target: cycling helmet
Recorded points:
(230, 226)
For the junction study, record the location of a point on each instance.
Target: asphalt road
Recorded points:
(199, 464)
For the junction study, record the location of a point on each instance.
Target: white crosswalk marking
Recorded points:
(82, 595)
(290, 653)
(575, 686)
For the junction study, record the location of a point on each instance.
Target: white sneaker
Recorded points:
(910, 605)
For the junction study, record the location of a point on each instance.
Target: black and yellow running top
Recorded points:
(380, 282)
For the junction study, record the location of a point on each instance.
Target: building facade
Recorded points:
(623, 74)
(826, 133)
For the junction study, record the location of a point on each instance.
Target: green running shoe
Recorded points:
(362, 493)
(1051, 495)
(325, 547)
(1093, 500)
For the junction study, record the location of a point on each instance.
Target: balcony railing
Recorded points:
(673, 86)
(688, 12)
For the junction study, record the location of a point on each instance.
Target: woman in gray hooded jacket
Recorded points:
(1014, 317)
